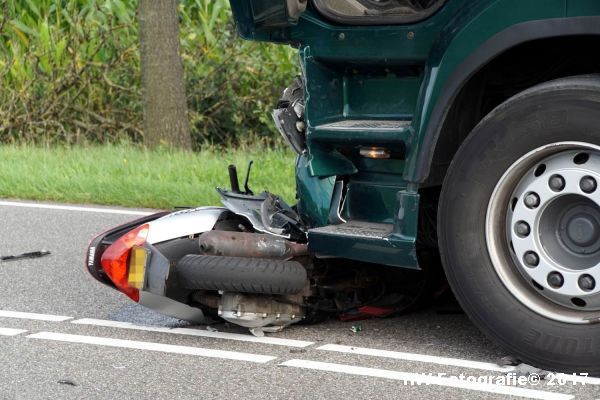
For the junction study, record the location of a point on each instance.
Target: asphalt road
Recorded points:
(63, 335)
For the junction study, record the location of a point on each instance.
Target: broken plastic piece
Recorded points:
(528, 370)
(33, 254)
(508, 360)
(67, 382)
(261, 330)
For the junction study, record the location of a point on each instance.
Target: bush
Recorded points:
(232, 84)
(70, 73)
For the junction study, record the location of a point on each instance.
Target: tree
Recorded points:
(163, 86)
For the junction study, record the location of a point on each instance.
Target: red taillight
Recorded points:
(115, 259)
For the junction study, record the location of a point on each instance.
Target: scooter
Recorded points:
(247, 263)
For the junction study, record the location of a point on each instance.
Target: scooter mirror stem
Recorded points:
(233, 179)
(246, 188)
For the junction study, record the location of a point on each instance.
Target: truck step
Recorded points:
(356, 229)
(363, 241)
(366, 124)
(379, 131)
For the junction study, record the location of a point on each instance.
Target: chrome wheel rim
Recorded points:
(543, 231)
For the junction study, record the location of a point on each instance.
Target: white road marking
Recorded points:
(456, 362)
(11, 332)
(38, 317)
(74, 208)
(415, 379)
(165, 348)
(195, 332)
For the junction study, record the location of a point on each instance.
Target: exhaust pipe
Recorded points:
(241, 274)
(253, 245)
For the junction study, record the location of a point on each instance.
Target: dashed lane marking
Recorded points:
(411, 379)
(73, 208)
(195, 332)
(457, 362)
(34, 316)
(11, 332)
(151, 346)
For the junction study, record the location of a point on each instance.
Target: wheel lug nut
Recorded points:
(532, 200)
(557, 183)
(531, 259)
(522, 228)
(586, 282)
(588, 184)
(555, 280)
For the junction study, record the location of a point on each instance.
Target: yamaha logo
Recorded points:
(91, 256)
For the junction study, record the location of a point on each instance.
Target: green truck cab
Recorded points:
(468, 127)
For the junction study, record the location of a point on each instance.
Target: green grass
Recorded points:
(130, 176)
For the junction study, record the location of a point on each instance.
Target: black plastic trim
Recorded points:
(493, 47)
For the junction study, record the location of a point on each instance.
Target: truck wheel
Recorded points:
(519, 225)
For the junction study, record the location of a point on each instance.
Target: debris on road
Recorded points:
(67, 382)
(260, 331)
(509, 361)
(356, 328)
(527, 370)
(33, 254)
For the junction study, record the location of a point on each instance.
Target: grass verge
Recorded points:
(129, 176)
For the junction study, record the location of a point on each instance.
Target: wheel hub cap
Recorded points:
(553, 228)
(580, 232)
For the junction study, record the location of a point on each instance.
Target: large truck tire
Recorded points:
(519, 225)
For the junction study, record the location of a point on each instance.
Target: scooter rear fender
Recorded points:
(163, 226)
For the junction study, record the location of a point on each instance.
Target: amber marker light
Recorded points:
(137, 267)
(375, 152)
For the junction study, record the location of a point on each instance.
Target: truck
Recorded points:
(437, 141)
